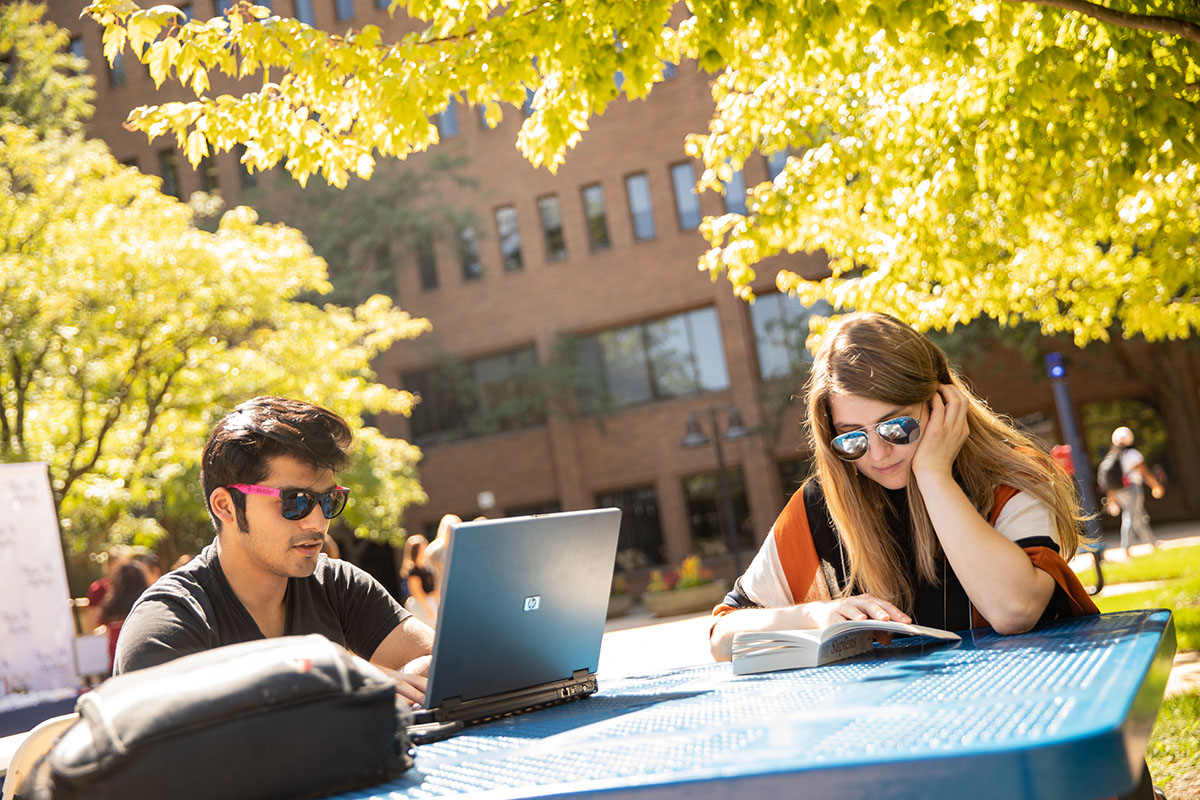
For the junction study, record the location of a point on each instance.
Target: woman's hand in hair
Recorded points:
(943, 433)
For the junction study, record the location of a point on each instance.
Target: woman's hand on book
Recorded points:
(859, 606)
(856, 607)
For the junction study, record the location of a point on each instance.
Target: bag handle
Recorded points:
(105, 738)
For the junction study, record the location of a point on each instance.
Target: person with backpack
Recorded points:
(1123, 475)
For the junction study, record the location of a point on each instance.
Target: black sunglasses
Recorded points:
(298, 503)
(853, 445)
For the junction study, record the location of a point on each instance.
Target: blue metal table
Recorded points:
(1061, 712)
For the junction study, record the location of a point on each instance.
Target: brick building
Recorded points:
(575, 346)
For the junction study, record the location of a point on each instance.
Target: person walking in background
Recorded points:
(420, 580)
(126, 586)
(1123, 474)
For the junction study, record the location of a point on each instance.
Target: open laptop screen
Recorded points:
(523, 603)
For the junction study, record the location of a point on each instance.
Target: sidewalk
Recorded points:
(639, 643)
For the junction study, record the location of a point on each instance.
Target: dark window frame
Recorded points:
(596, 224)
(554, 238)
(647, 216)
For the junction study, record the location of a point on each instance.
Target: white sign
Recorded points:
(37, 635)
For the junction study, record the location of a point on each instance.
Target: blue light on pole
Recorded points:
(1055, 367)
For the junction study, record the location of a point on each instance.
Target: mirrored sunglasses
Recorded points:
(853, 445)
(298, 503)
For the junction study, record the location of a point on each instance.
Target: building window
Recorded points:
(116, 72)
(477, 397)
(168, 167)
(687, 203)
(552, 230)
(426, 263)
(667, 357)
(776, 162)
(669, 70)
(304, 12)
(249, 179)
(641, 540)
(344, 9)
(76, 47)
(186, 9)
(222, 6)
(527, 107)
(209, 180)
(384, 5)
(468, 254)
(596, 217)
(780, 330)
(637, 187)
(704, 509)
(510, 238)
(447, 121)
(735, 193)
(792, 473)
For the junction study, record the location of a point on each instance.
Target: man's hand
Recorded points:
(408, 685)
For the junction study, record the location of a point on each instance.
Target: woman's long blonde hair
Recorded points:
(880, 358)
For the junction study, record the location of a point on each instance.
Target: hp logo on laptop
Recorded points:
(533, 603)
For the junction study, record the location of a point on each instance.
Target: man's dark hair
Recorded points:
(241, 446)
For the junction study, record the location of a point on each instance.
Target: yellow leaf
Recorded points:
(159, 62)
(200, 81)
(114, 43)
(141, 28)
(197, 147)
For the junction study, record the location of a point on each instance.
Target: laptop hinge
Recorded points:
(581, 684)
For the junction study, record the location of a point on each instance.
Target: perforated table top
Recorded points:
(1061, 712)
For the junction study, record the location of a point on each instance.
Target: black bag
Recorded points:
(1109, 475)
(290, 717)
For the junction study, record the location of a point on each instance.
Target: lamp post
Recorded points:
(1056, 370)
(696, 437)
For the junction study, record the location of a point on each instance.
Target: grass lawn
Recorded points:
(1160, 565)
(1174, 749)
(1179, 570)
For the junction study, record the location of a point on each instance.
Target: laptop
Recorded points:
(522, 611)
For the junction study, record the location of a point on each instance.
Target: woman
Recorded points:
(419, 578)
(128, 583)
(923, 505)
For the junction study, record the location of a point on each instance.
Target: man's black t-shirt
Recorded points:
(194, 608)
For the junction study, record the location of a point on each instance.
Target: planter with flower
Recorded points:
(687, 590)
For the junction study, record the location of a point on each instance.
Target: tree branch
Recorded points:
(1141, 22)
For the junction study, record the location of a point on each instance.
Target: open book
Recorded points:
(765, 651)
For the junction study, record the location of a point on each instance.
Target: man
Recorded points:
(268, 474)
(1131, 497)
